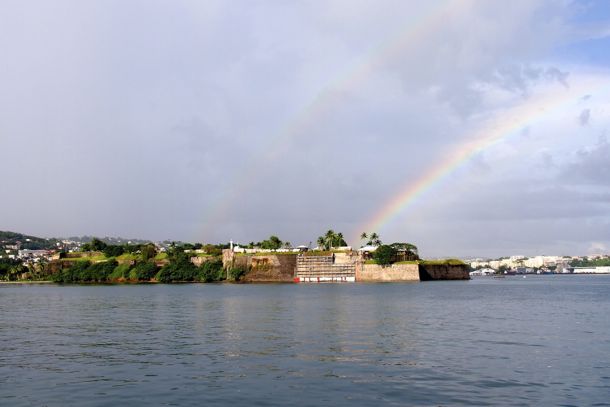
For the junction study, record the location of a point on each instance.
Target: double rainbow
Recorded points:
(504, 125)
(435, 16)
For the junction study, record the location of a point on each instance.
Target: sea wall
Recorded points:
(392, 273)
(429, 272)
(269, 268)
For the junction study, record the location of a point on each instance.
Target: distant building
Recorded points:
(592, 270)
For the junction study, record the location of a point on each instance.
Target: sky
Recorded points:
(469, 128)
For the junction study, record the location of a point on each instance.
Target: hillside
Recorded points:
(26, 241)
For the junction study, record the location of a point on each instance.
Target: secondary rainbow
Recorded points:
(508, 123)
(328, 97)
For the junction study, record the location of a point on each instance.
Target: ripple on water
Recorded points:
(540, 341)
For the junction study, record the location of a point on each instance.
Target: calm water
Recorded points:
(513, 341)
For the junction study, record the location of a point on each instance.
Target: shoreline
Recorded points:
(28, 282)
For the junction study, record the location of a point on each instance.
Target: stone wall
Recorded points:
(443, 272)
(270, 268)
(393, 273)
(55, 266)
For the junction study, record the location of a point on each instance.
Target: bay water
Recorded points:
(540, 340)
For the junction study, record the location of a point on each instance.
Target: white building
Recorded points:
(592, 270)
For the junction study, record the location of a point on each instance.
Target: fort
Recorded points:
(329, 267)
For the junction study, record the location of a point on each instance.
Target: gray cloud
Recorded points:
(211, 120)
(590, 166)
(584, 117)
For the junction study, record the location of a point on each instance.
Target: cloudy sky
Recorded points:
(485, 123)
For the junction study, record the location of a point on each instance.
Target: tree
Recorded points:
(331, 239)
(385, 255)
(113, 250)
(409, 250)
(97, 245)
(144, 271)
(148, 251)
(273, 243)
(321, 242)
(374, 239)
(371, 239)
(211, 271)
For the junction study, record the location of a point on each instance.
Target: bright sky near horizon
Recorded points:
(470, 128)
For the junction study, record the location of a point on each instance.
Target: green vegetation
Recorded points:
(211, 271)
(179, 268)
(11, 269)
(120, 272)
(95, 245)
(161, 256)
(602, 262)
(236, 273)
(176, 273)
(371, 239)
(148, 251)
(83, 271)
(406, 251)
(87, 256)
(113, 251)
(385, 255)
(140, 267)
(125, 252)
(26, 241)
(214, 250)
(127, 257)
(145, 271)
(331, 239)
(273, 243)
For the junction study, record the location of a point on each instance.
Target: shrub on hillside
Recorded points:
(237, 273)
(72, 274)
(100, 272)
(120, 271)
(211, 271)
(176, 272)
(145, 271)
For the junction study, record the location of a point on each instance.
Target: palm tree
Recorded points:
(321, 243)
(330, 237)
(373, 239)
(339, 240)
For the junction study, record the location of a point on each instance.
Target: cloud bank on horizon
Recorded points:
(466, 127)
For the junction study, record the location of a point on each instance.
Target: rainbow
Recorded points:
(488, 136)
(330, 96)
